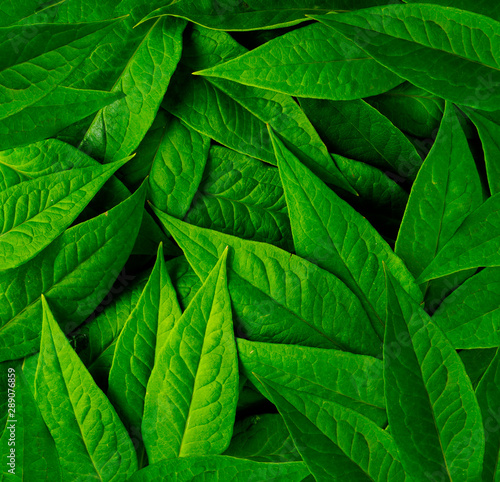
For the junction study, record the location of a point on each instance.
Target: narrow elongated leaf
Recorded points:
(227, 112)
(437, 51)
(356, 130)
(191, 395)
(55, 111)
(336, 443)
(95, 250)
(177, 168)
(470, 316)
(276, 296)
(488, 395)
(117, 131)
(36, 212)
(488, 127)
(141, 339)
(410, 109)
(479, 6)
(220, 467)
(434, 417)
(474, 244)
(263, 438)
(27, 448)
(332, 67)
(92, 442)
(231, 15)
(352, 381)
(327, 231)
(241, 196)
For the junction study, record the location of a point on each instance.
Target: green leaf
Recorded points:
(232, 15)
(410, 109)
(483, 7)
(434, 417)
(243, 197)
(141, 339)
(95, 251)
(185, 280)
(336, 443)
(216, 468)
(263, 438)
(473, 245)
(448, 52)
(25, 434)
(116, 131)
(356, 130)
(228, 112)
(488, 394)
(349, 380)
(476, 362)
(488, 127)
(332, 67)
(177, 167)
(33, 10)
(470, 315)
(327, 231)
(36, 212)
(92, 442)
(192, 392)
(446, 191)
(276, 296)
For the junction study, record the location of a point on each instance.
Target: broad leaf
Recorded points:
(92, 443)
(474, 244)
(241, 196)
(336, 443)
(351, 381)
(356, 130)
(330, 233)
(14, 12)
(191, 395)
(470, 316)
(434, 417)
(141, 339)
(332, 67)
(231, 15)
(476, 362)
(483, 7)
(216, 468)
(95, 250)
(437, 50)
(276, 296)
(488, 394)
(36, 212)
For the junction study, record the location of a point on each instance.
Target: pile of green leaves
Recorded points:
(250, 241)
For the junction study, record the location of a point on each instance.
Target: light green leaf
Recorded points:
(448, 52)
(243, 197)
(95, 250)
(117, 131)
(192, 392)
(276, 296)
(410, 109)
(228, 112)
(327, 231)
(217, 468)
(488, 395)
(92, 442)
(349, 380)
(185, 280)
(336, 443)
(263, 438)
(474, 244)
(470, 315)
(331, 67)
(356, 130)
(177, 167)
(25, 434)
(488, 127)
(36, 212)
(434, 417)
(139, 343)
(233, 15)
